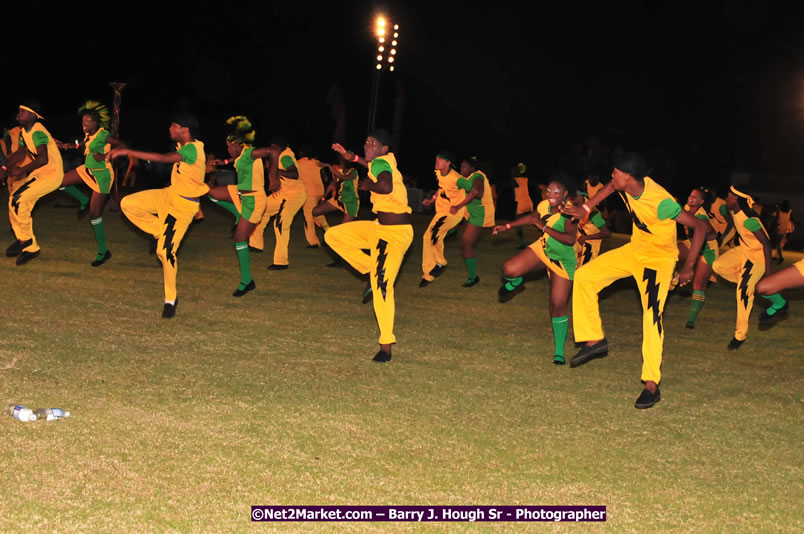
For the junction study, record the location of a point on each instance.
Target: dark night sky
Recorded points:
(716, 85)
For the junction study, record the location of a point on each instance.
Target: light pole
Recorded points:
(387, 39)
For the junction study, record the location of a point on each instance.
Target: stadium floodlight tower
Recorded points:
(387, 46)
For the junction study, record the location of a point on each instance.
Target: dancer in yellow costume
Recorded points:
(697, 204)
(310, 174)
(341, 193)
(554, 252)
(433, 259)
(283, 205)
(524, 204)
(479, 213)
(11, 143)
(96, 172)
(388, 237)
(41, 176)
(167, 213)
(649, 258)
(246, 199)
(747, 263)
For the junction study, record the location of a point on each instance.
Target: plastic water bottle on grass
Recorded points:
(50, 414)
(20, 413)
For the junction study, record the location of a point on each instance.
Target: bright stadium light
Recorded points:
(382, 29)
(379, 58)
(381, 48)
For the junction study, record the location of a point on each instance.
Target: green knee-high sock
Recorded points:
(471, 267)
(241, 248)
(76, 193)
(100, 236)
(512, 283)
(697, 303)
(228, 206)
(521, 235)
(560, 326)
(777, 301)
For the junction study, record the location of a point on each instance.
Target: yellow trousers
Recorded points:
(587, 252)
(310, 222)
(653, 283)
(433, 242)
(166, 216)
(283, 205)
(388, 244)
(735, 266)
(22, 201)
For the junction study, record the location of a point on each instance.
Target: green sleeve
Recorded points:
(753, 224)
(597, 219)
(40, 138)
(378, 166)
(668, 209)
(287, 162)
(188, 153)
(724, 210)
(702, 217)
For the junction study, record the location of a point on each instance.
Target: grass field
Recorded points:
(181, 425)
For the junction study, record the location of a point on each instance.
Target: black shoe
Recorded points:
(506, 294)
(15, 248)
(437, 270)
(83, 209)
(587, 353)
(25, 257)
(764, 318)
(367, 294)
(470, 283)
(735, 343)
(169, 311)
(425, 282)
(780, 261)
(240, 292)
(382, 357)
(313, 246)
(101, 261)
(254, 249)
(197, 221)
(277, 267)
(558, 359)
(689, 325)
(647, 399)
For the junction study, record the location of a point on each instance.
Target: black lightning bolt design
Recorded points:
(382, 283)
(637, 222)
(587, 253)
(15, 198)
(652, 291)
(444, 195)
(170, 232)
(436, 227)
(744, 282)
(278, 219)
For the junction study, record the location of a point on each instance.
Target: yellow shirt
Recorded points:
(397, 200)
(287, 159)
(448, 191)
(487, 200)
(187, 178)
(38, 136)
(746, 226)
(719, 222)
(592, 190)
(653, 235)
(310, 174)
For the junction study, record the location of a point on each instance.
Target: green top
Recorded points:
(668, 209)
(555, 249)
(724, 210)
(753, 224)
(188, 153)
(244, 165)
(380, 165)
(466, 184)
(97, 145)
(597, 219)
(39, 138)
